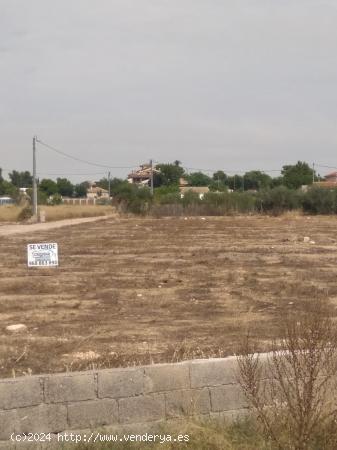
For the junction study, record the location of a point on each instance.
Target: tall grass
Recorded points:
(60, 212)
(275, 201)
(213, 204)
(9, 213)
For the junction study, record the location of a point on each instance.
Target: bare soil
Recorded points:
(141, 290)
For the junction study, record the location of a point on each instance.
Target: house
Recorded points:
(6, 201)
(96, 192)
(183, 182)
(184, 187)
(200, 190)
(331, 177)
(142, 176)
(330, 181)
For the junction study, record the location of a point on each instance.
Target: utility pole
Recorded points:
(313, 172)
(34, 179)
(151, 179)
(109, 185)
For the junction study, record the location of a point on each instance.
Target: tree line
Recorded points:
(167, 177)
(46, 187)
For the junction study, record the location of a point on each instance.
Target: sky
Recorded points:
(216, 84)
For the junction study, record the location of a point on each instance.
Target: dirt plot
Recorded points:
(132, 291)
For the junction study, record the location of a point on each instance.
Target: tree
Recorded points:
(256, 180)
(235, 182)
(80, 190)
(115, 184)
(169, 174)
(277, 181)
(64, 187)
(219, 182)
(21, 179)
(295, 176)
(198, 179)
(133, 198)
(7, 188)
(104, 183)
(220, 177)
(49, 187)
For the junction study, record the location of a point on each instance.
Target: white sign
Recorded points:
(42, 255)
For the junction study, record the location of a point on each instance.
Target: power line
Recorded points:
(326, 167)
(231, 171)
(71, 174)
(67, 155)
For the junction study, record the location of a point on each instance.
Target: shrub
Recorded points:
(278, 200)
(164, 191)
(134, 199)
(56, 199)
(320, 201)
(229, 203)
(190, 198)
(25, 214)
(293, 391)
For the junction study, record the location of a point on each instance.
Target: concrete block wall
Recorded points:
(119, 397)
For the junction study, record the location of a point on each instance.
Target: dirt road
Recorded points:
(6, 230)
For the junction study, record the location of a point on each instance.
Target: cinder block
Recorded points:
(42, 419)
(70, 388)
(187, 403)
(94, 413)
(142, 408)
(166, 377)
(20, 392)
(226, 398)
(8, 424)
(213, 372)
(119, 383)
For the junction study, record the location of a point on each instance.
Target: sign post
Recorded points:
(42, 255)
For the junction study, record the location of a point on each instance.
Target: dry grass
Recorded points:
(9, 213)
(196, 435)
(294, 387)
(59, 212)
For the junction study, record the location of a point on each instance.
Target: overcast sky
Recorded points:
(234, 85)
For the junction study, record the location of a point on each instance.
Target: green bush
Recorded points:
(172, 198)
(213, 204)
(278, 200)
(163, 191)
(134, 199)
(229, 203)
(190, 198)
(320, 201)
(167, 201)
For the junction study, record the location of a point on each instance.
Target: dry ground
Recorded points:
(136, 290)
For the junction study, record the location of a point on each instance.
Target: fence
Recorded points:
(119, 397)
